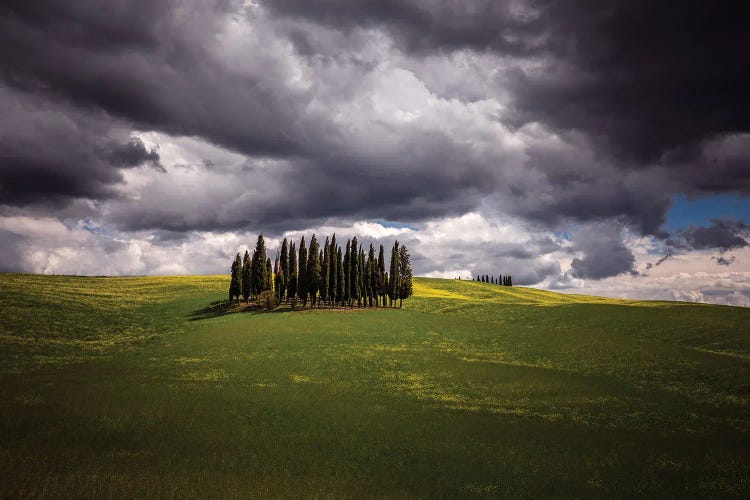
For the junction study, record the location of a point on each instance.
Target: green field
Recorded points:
(147, 387)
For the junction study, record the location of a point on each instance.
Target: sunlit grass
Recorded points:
(124, 388)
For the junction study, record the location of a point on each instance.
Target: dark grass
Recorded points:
(446, 398)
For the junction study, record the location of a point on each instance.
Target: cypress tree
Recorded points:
(347, 274)
(394, 279)
(279, 280)
(325, 270)
(510, 280)
(235, 284)
(404, 273)
(339, 277)
(302, 274)
(284, 268)
(361, 278)
(382, 281)
(246, 277)
(371, 265)
(291, 283)
(333, 270)
(354, 272)
(259, 266)
(313, 270)
(269, 274)
(367, 281)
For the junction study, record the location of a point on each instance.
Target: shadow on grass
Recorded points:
(220, 308)
(223, 308)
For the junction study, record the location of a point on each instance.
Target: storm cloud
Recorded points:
(166, 119)
(603, 252)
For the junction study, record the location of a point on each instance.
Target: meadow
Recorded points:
(151, 387)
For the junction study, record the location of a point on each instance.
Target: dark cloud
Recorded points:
(48, 153)
(132, 154)
(424, 26)
(725, 165)
(51, 152)
(647, 84)
(11, 252)
(562, 112)
(724, 261)
(641, 79)
(604, 253)
(149, 63)
(722, 234)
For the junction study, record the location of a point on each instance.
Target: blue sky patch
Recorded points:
(700, 211)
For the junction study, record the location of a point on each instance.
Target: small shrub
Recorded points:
(268, 300)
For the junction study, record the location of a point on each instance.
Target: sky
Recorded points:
(588, 148)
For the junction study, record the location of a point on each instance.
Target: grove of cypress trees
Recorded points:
(339, 277)
(284, 268)
(393, 279)
(235, 285)
(302, 275)
(328, 273)
(246, 277)
(404, 273)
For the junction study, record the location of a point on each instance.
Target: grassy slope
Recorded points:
(120, 387)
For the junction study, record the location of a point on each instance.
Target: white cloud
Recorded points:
(466, 245)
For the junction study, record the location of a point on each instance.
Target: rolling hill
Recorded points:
(151, 387)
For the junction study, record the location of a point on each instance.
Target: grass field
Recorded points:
(139, 387)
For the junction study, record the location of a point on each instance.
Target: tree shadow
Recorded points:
(224, 307)
(221, 308)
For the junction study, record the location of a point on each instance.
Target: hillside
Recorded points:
(149, 387)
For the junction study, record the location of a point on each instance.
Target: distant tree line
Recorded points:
(500, 280)
(328, 276)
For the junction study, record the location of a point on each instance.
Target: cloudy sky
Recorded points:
(585, 147)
